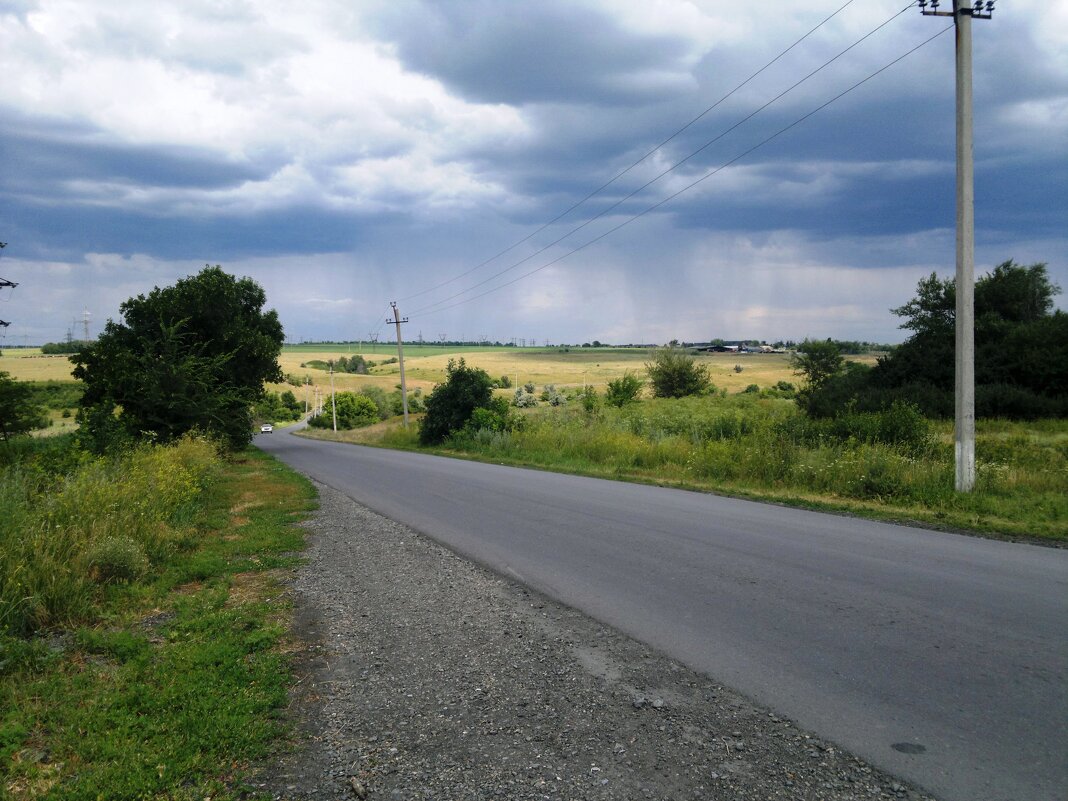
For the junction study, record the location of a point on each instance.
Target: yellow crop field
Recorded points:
(424, 367)
(28, 364)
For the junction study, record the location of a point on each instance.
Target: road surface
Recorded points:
(938, 657)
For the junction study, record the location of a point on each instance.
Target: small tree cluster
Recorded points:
(278, 407)
(353, 411)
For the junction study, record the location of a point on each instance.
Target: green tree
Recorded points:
(18, 413)
(191, 356)
(674, 373)
(453, 403)
(816, 361)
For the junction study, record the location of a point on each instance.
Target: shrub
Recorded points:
(623, 390)
(523, 399)
(451, 404)
(529, 387)
(551, 395)
(751, 389)
(380, 399)
(674, 373)
(590, 401)
(496, 416)
(116, 559)
(505, 382)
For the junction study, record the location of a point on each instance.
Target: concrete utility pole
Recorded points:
(400, 358)
(964, 383)
(333, 400)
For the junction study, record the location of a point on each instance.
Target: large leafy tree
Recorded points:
(1021, 350)
(190, 356)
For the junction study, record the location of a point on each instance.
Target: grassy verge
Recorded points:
(763, 449)
(149, 659)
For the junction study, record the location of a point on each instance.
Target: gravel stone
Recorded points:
(420, 675)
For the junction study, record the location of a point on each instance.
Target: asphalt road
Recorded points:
(938, 657)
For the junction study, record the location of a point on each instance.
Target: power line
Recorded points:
(619, 175)
(670, 169)
(703, 178)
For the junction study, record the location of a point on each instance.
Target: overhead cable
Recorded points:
(703, 178)
(670, 169)
(619, 175)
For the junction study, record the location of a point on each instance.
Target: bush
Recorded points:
(752, 389)
(523, 399)
(590, 401)
(381, 400)
(451, 405)
(674, 373)
(505, 382)
(495, 417)
(901, 426)
(551, 395)
(116, 559)
(623, 390)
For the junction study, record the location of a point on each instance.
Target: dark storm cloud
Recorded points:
(60, 232)
(41, 164)
(535, 52)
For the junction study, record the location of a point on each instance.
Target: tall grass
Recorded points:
(70, 523)
(893, 464)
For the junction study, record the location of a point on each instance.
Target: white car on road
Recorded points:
(266, 428)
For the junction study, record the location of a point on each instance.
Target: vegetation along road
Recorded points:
(939, 657)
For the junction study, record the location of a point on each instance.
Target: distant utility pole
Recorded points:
(85, 324)
(373, 337)
(400, 358)
(442, 338)
(964, 384)
(333, 399)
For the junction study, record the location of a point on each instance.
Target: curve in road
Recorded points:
(938, 657)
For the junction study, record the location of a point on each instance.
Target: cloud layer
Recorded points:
(347, 156)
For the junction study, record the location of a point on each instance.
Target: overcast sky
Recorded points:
(346, 154)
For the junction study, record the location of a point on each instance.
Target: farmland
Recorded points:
(425, 365)
(572, 368)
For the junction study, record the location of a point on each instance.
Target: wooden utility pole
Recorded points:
(400, 358)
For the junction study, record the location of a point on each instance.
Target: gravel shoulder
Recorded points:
(423, 676)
